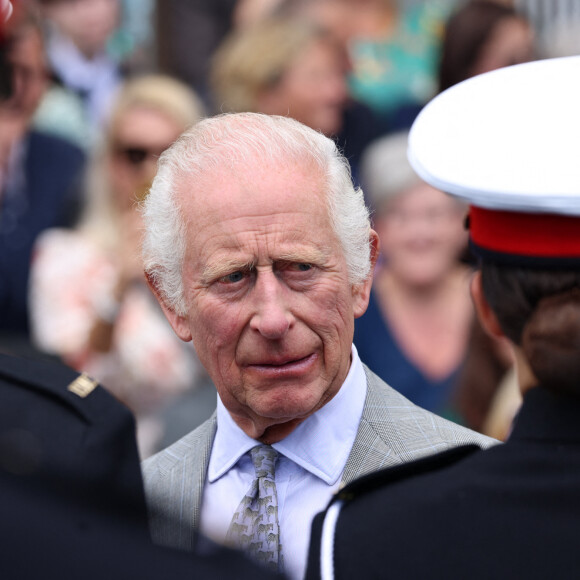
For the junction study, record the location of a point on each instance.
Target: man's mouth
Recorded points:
(283, 366)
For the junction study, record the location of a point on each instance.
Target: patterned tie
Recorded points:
(254, 527)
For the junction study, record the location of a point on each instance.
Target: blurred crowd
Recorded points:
(93, 91)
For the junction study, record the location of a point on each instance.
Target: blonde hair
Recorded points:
(161, 93)
(254, 58)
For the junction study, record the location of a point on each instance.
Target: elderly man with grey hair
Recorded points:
(260, 250)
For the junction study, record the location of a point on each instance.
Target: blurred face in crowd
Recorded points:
(512, 42)
(248, 12)
(89, 23)
(29, 72)
(139, 138)
(269, 304)
(422, 235)
(352, 19)
(312, 90)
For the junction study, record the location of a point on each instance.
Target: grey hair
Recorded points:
(227, 141)
(385, 170)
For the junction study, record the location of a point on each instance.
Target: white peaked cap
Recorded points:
(506, 140)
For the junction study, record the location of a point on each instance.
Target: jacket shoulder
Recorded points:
(63, 426)
(424, 465)
(55, 146)
(358, 511)
(24, 380)
(182, 450)
(392, 430)
(414, 425)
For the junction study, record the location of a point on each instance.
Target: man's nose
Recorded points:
(272, 317)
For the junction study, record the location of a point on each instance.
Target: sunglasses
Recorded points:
(136, 155)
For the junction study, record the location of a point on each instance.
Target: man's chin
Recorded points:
(272, 430)
(286, 404)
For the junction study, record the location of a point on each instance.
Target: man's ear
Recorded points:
(485, 314)
(361, 292)
(179, 323)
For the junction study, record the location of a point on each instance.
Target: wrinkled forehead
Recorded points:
(269, 178)
(262, 210)
(257, 209)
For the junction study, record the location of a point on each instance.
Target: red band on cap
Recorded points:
(525, 234)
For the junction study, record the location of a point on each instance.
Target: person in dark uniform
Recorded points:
(73, 504)
(507, 142)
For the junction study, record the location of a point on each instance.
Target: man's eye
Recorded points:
(296, 267)
(302, 267)
(232, 278)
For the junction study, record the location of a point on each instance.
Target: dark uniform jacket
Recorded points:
(71, 489)
(511, 511)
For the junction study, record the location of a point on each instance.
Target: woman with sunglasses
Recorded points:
(89, 302)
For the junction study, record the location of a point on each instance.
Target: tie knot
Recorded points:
(264, 459)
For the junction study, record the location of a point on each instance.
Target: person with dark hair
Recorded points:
(512, 510)
(40, 174)
(480, 36)
(188, 34)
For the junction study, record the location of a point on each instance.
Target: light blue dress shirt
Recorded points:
(308, 472)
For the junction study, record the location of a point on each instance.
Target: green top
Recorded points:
(401, 69)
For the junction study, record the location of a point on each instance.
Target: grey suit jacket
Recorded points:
(392, 430)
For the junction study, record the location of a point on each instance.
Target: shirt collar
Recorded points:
(76, 69)
(321, 444)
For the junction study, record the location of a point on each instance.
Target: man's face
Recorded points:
(89, 23)
(29, 73)
(270, 308)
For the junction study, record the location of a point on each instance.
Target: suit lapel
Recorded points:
(372, 450)
(200, 461)
(393, 431)
(174, 481)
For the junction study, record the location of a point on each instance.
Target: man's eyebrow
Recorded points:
(221, 268)
(310, 256)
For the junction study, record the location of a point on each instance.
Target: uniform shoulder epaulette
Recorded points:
(377, 479)
(49, 378)
(49, 373)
